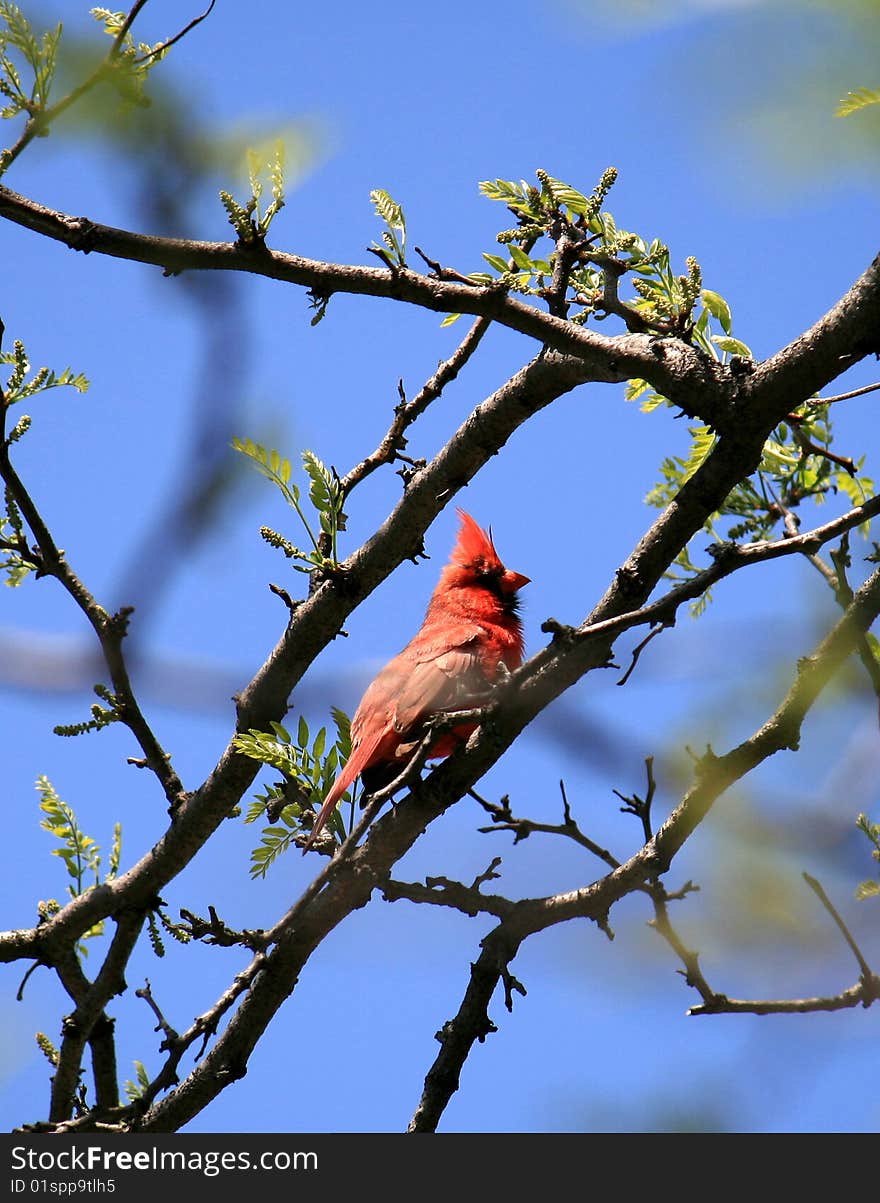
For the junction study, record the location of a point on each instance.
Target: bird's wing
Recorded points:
(446, 673)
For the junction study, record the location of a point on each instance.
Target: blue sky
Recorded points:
(720, 122)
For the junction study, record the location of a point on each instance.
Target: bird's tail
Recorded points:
(358, 760)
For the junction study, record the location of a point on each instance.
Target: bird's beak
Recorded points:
(511, 581)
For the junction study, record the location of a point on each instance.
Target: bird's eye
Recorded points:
(489, 574)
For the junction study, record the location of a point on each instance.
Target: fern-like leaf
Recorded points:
(856, 100)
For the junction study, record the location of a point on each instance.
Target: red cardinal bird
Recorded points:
(471, 635)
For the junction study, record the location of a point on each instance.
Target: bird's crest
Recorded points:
(474, 546)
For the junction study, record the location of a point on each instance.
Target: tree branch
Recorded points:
(470, 1024)
(864, 993)
(440, 891)
(39, 120)
(109, 628)
(408, 411)
(89, 1022)
(693, 381)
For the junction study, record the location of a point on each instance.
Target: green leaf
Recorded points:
(635, 388)
(388, 209)
(325, 495)
(732, 345)
(318, 745)
(79, 852)
(653, 401)
(856, 100)
(500, 265)
(515, 196)
(392, 214)
(520, 258)
(564, 194)
(18, 387)
(718, 307)
(343, 731)
(135, 1090)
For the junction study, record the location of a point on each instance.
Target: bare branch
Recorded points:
(866, 992)
(817, 889)
(407, 411)
(855, 392)
(89, 1022)
(503, 819)
(161, 49)
(109, 628)
(470, 1024)
(440, 891)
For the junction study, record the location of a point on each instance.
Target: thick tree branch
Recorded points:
(458, 1036)
(697, 384)
(89, 1023)
(848, 332)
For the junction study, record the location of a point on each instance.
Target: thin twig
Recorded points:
(634, 320)
(406, 412)
(808, 447)
(728, 558)
(109, 628)
(162, 1025)
(855, 996)
(856, 392)
(637, 651)
(39, 121)
(817, 889)
(171, 41)
(446, 273)
(89, 1023)
(503, 819)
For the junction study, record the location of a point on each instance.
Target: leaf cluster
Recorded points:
(590, 254)
(589, 259)
(102, 716)
(79, 852)
(325, 495)
(854, 101)
(131, 62)
(28, 63)
(394, 234)
(797, 466)
(308, 768)
(23, 50)
(16, 561)
(156, 918)
(136, 1089)
(16, 558)
(250, 221)
(19, 388)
